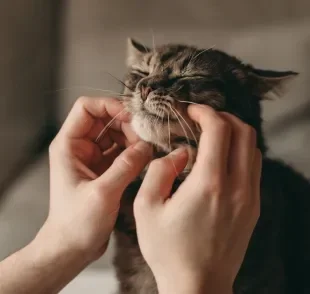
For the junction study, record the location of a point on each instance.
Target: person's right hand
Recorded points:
(196, 240)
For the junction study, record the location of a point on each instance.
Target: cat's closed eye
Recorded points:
(194, 77)
(140, 72)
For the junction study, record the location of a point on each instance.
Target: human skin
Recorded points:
(195, 241)
(87, 180)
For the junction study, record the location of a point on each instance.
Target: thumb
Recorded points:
(158, 181)
(126, 167)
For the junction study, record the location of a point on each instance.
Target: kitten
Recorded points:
(160, 84)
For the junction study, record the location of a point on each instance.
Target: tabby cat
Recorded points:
(160, 84)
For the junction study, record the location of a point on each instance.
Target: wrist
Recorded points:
(185, 283)
(43, 266)
(181, 286)
(51, 244)
(54, 258)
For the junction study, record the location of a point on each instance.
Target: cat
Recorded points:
(160, 84)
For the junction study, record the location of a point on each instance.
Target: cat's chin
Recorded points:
(149, 132)
(158, 136)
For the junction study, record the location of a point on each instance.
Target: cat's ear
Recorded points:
(135, 51)
(269, 84)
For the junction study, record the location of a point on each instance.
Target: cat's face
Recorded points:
(163, 81)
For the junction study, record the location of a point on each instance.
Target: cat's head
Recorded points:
(163, 81)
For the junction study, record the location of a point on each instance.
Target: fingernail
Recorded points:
(143, 147)
(180, 152)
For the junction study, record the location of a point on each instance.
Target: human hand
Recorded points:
(87, 178)
(196, 240)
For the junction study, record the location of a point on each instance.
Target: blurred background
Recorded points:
(52, 52)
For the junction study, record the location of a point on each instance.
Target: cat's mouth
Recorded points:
(161, 114)
(162, 122)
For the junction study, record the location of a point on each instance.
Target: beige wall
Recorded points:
(25, 76)
(212, 14)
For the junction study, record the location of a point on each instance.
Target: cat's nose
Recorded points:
(145, 91)
(160, 92)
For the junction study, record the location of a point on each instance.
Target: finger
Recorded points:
(121, 140)
(158, 181)
(243, 145)
(107, 159)
(106, 141)
(126, 137)
(118, 132)
(256, 175)
(85, 112)
(213, 146)
(126, 167)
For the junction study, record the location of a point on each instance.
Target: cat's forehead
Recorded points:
(179, 59)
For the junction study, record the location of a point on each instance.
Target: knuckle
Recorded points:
(242, 197)
(245, 201)
(97, 190)
(206, 114)
(222, 125)
(240, 194)
(140, 204)
(215, 189)
(124, 162)
(160, 163)
(256, 212)
(249, 133)
(228, 115)
(258, 154)
(208, 111)
(81, 101)
(52, 147)
(249, 211)
(56, 146)
(212, 188)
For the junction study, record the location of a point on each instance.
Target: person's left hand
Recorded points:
(87, 178)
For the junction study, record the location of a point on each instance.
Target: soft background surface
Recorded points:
(73, 46)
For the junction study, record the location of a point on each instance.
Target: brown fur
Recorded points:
(278, 259)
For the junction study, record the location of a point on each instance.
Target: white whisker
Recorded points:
(179, 88)
(157, 119)
(146, 49)
(188, 126)
(203, 51)
(86, 88)
(109, 124)
(190, 102)
(192, 56)
(169, 134)
(162, 117)
(181, 125)
(169, 144)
